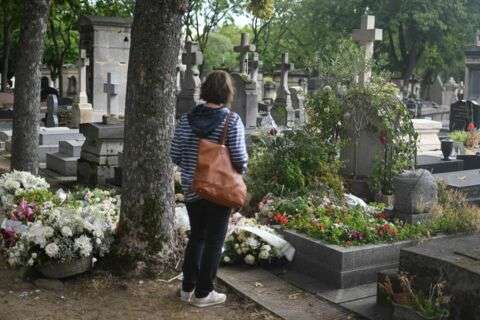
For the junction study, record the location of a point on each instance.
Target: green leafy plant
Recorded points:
(458, 136)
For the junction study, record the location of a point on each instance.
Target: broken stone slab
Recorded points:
(71, 148)
(100, 131)
(49, 284)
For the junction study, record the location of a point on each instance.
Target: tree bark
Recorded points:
(147, 213)
(27, 91)
(7, 44)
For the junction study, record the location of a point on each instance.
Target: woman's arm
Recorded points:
(236, 144)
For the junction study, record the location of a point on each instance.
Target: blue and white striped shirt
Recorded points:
(184, 150)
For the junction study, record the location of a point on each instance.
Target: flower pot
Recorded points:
(403, 312)
(58, 270)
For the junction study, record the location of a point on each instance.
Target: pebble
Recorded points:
(49, 284)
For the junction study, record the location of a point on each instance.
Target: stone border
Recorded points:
(342, 267)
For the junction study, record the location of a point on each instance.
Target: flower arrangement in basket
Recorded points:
(59, 234)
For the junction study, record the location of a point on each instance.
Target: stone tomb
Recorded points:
(64, 162)
(436, 164)
(100, 152)
(455, 260)
(467, 181)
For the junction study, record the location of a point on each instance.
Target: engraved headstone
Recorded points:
(52, 111)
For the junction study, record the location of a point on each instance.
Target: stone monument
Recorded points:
(366, 37)
(52, 111)
(189, 95)
(283, 111)
(472, 71)
(106, 41)
(82, 111)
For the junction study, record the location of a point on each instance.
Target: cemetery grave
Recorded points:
(330, 213)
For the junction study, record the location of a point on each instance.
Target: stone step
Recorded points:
(62, 164)
(280, 297)
(71, 148)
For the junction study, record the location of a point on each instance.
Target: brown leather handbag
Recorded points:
(216, 179)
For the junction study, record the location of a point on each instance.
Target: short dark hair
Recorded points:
(218, 88)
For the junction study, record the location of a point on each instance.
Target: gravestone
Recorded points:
(82, 111)
(49, 139)
(254, 66)
(366, 37)
(189, 95)
(466, 181)
(450, 92)
(459, 116)
(283, 111)
(64, 162)
(52, 111)
(472, 71)
(298, 104)
(106, 41)
(428, 136)
(110, 89)
(245, 102)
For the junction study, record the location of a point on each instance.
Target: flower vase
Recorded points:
(447, 149)
(61, 270)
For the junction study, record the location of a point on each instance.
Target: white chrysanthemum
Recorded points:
(264, 255)
(66, 231)
(48, 231)
(52, 250)
(236, 246)
(11, 185)
(252, 242)
(36, 234)
(249, 259)
(266, 248)
(31, 262)
(239, 251)
(227, 259)
(84, 245)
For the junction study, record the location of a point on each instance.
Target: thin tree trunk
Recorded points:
(27, 91)
(147, 213)
(7, 45)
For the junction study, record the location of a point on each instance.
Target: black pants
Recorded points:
(208, 227)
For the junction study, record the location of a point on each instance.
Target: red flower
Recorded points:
(382, 216)
(280, 218)
(471, 126)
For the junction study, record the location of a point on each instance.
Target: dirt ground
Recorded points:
(100, 296)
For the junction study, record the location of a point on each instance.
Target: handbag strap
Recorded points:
(223, 137)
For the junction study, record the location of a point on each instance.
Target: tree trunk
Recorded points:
(147, 213)
(27, 91)
(7, 45)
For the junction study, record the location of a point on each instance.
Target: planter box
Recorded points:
(342, 267)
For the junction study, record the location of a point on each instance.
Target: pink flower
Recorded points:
(24, 211)
(9, 237)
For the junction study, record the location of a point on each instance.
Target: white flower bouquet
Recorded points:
(60, 228)
(16, 182)
(244, 246)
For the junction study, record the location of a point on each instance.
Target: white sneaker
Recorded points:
(186, 296)
(212, 299)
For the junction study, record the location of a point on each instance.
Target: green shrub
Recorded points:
(459, 136)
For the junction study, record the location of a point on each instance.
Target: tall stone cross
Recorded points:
(284, 99)
(285, 68)
(366, 37)
(189, 94)
(109, 88)
(244, 49)
(83, 62)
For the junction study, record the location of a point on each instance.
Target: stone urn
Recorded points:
(447, 149)
(415, 192)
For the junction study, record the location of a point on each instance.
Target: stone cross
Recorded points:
(189, 94)
(366, 37)
(244, 49)
(254, 66)
(83, 62)
(284, 99)
(109, 88)
(52, 111)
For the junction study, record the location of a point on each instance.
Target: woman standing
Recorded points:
(208, 221)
